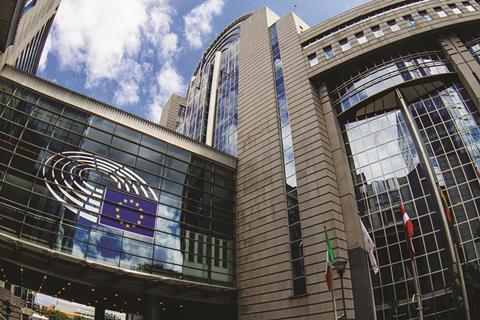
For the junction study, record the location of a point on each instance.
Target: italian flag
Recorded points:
(329, 262)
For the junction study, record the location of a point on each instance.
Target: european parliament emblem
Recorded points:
(70, 177)
(128, 213)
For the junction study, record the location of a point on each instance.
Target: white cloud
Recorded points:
(115, 40)
(168, 81)
(198, 22)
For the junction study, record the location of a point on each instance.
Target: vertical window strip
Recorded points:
(296, 243)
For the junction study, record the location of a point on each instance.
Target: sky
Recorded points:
(134, 54)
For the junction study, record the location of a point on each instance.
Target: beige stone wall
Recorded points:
(263, 253)
(464, 63)
(390, 37)
(319, 201)
(263, 257)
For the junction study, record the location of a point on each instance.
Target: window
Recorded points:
(393, 25)
(377, 31)
(313, 59)
(440, 12)
(361, 37)
(454, 8)
(345, 45)
(468, 6)
(425, 16)
(409, 20)
(328, 52)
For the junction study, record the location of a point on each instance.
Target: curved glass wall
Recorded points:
(194, 121)
(386, 74)
(386, 171)
(83, 185)
(449, 123)
(226, 119)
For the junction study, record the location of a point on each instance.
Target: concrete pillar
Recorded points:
(464, 64)
(152, 308)
(100, 312)
(362, 290)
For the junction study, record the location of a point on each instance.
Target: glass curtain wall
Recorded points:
(226, 119)
(386, 171)
(449, 122)
(193, 122)
(97, 190)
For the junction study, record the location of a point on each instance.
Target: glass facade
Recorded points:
(83, 185)
(386, 171)
(226, 118)
(295, 230)
(385, 74)
(449, 124)
(193, 122)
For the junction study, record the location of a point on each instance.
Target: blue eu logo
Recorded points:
(128, 213)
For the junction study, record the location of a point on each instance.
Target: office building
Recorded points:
(106, 209)
(340, 122)
(286, 130)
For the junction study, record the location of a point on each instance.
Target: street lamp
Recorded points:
(340, 265)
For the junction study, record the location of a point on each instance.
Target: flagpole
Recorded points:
(418, 295)
(426, 164)
(371, 289)
(334, 301)
(332, 289)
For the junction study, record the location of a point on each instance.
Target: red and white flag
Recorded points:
(408, 229)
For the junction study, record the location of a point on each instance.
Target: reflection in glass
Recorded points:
(385, 75)
(386, 171)
(183, 184)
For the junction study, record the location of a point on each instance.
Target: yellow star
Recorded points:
(121, 222)
(120, 203)
(117, 209)
(125, 200)
(136, 204)
(139, 222)
(141, 216)
(117, 216)
(131, 200)
(140, 209)
(127, 225)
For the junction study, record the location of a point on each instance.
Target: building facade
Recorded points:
(342, 123)
(143, 214)
(24, 27)
(286, 130)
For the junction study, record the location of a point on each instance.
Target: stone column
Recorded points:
(464, 64)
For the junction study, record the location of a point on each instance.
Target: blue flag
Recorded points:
(126, 212)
